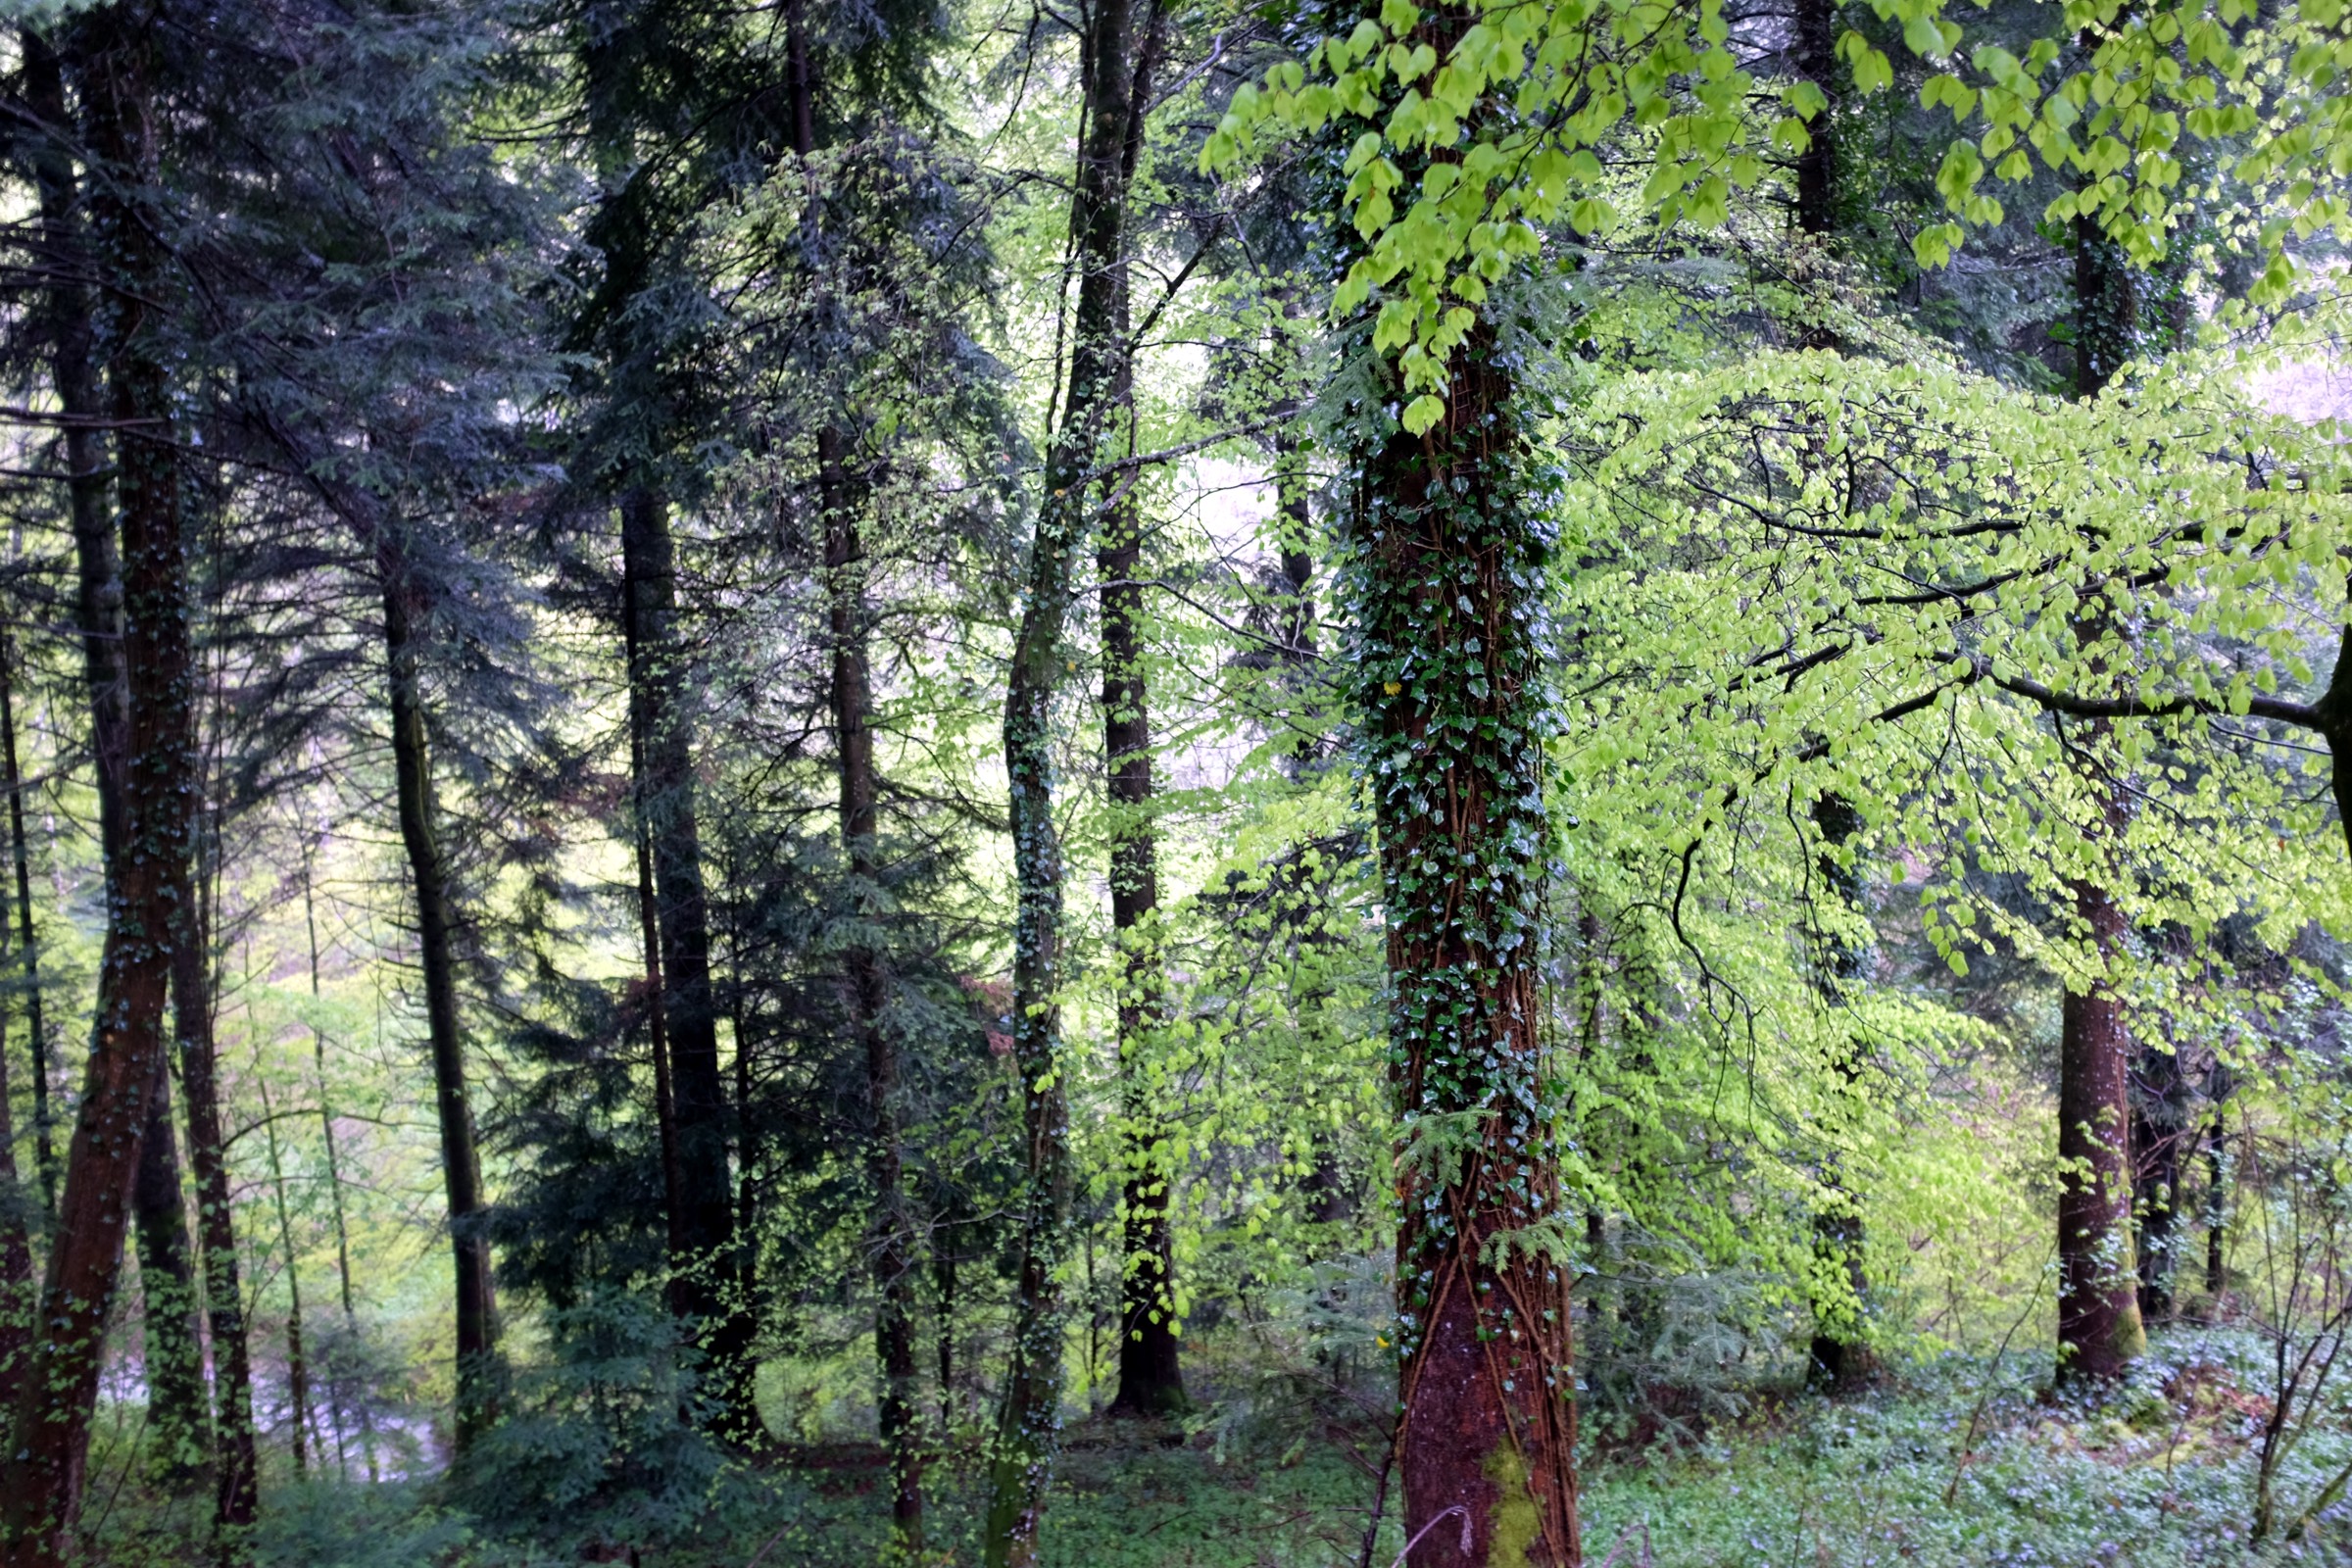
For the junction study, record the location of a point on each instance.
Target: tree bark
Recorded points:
(16, 1241)
(1447, 564)
(2099, 1327)
(298, 1368)
(179, 1414)
(1151, 1372)
(1150, 1379)
(2160, 1128)
(237, 1488)
(1488, 1426)
(28, 950)
(1029, 1420)
(461, 1159)
(1839, 1354)
(893, 1243)
(43, 1475)
(707, 1283)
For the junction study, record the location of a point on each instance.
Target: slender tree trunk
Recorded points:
(2099, 1327)
(461, 1158)
(893, 1243)
(179, 1415)
(44, 1471)
(709, 1291)
(657, 1009)
(335, 1180)
(1151, 1374)
(238, 1485)
(1447, 565)
(1029, 1421)
(36, 1028)
(1815, 59)
(15, 1242)
(1840, 1356)
(2159, 1127)
(298, 1368)
(2217, 1189)
(1151, 1370)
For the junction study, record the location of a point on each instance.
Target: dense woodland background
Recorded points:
(858, 781)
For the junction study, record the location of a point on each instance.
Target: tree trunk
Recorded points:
(461, 1159)
(179, 1414)
(298, 1370)
(1815, 59)
(2099, 1328)
(43, 1475)
(15, 1242)
(67, 312)
(36, 1028)
(659, 709)
(1447, 565)
(2160, 1127)
(1454, 708)
(893, 1244)
(2218, 1088)
(334, 1168)
(237, 1495)
(1839, 1354)
(1151, 1374)
(1030, 1419)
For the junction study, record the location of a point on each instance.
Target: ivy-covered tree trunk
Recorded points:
(706, 1276)
(237, 1486)
(1029, 1423)
(2099, 1327)
(1444, 572)
(1447, 564)
(1839, 1354)
(461, 1159)
(43, 1473)
(179, 1413)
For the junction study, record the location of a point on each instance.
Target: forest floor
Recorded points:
(1956, 1463)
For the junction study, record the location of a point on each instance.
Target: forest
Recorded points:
(1115, 783)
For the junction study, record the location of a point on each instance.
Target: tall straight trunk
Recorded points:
(893, 1247)
(36, 1029)
(705, 1276)
(44, 1472)
(237, 1493)
(656, 1030)
(2099, 1328)
(1488, 1423)
(69, 317)
(1151, 1370)
(865, 974)
(1447, 564)
(179, 1411)
(298, 1366)
(1151, 1374)
(179, 1414)
(334, 1168)
(477, 1372)
(16, 1241)
(1030, 1418)
(1839, 1354)
(1814, 38)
